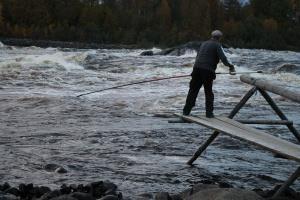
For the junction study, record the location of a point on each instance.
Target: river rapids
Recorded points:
(123, 135)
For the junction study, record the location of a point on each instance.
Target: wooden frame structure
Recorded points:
(261, 86)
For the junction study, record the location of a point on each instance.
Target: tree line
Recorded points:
(272, 24)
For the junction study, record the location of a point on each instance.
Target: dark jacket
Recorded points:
(209, 56)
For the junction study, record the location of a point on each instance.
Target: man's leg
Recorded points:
(209, 97)
(195, 86)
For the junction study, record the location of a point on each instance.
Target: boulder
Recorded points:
(177, 50)
(50, 195)
(147, 53)
(197, 188)
(110, 197)
(61, 170)
(64, 197)
(162, 196)
(224, 194)
(14, 191)
(82, 196)
(4, 196)
(290, 68)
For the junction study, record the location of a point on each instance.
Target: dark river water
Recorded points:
(123, 135)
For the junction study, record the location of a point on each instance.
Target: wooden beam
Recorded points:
(257, 137)
(272, 86)
(268, 122)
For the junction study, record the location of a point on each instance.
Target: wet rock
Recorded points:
(162, 196)
(61, 170)
(64, 189)
(109, 197)
(147, 53)
(82, 196)
(64, 197)
(261, 192)
(225, 185)
(176, 197)
(197, 188)
(13, 191)
(50, 195)
(51, 167)
(144, 196)
(97, 189)
(55, 168)
(224, 194)
(26, 190)
(291, 68)
(109, 188)
(5, 186)
(4, 196)
(40, 191)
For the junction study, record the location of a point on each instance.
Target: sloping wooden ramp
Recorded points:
(236, 129)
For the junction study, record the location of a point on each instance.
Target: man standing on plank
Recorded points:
(208, 57)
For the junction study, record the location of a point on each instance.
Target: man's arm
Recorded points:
(224, 59)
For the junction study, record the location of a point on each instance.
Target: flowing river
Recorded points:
(123, 135)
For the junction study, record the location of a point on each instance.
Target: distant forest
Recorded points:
(271, 24)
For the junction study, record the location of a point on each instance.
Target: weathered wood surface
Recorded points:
(273, 87)
(236, 129)
(271, 122)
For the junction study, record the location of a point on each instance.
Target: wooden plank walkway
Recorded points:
(236, 129)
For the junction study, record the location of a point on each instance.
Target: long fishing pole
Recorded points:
(158, 79)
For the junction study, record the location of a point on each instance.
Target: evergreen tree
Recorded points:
(232, 9)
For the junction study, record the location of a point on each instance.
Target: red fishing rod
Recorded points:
(158, 79)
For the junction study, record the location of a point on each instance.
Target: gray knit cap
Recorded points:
(216, 34)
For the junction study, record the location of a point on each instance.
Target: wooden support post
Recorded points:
(244, 100)
(216, 133)
(269, 122)
(279, 113)
(203, 147)
(290, 181)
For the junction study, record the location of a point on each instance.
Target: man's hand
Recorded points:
(232, 70)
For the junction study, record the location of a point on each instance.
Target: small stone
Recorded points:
(61, 170)
(109, 197)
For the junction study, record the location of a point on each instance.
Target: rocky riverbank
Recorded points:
(105, 190)
(62, 44)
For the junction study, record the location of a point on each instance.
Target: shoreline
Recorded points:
(25, 42)
(62, 44)
(106, 190)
